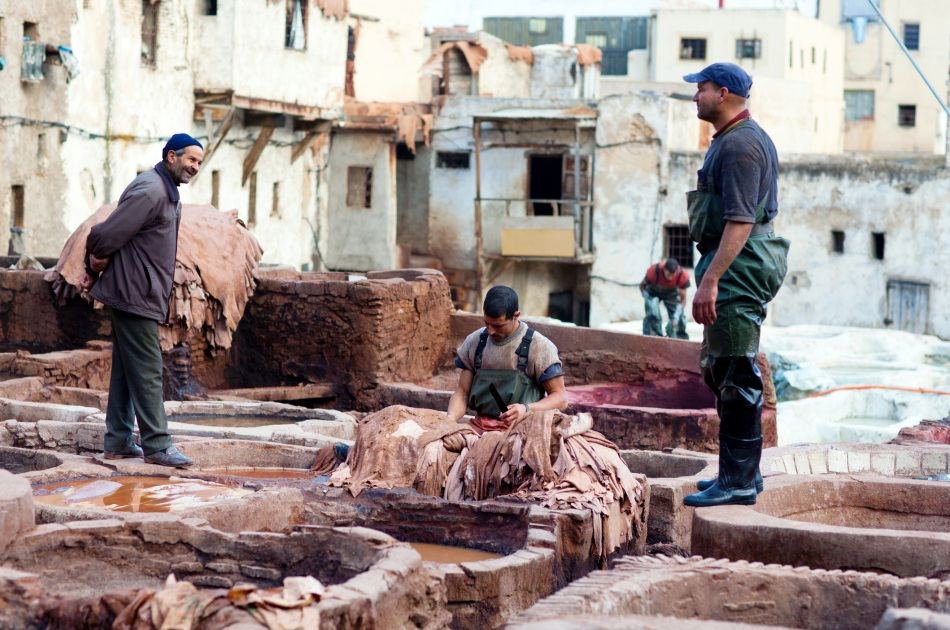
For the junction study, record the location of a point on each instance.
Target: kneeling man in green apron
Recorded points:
(507, 368)
(741, 269)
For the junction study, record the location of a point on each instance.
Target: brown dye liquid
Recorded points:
(134, 494)
(446, 554)
(261, 473)
(235, 422)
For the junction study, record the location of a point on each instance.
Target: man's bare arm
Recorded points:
(458, 403)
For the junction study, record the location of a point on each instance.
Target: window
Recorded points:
(40, 147)
(275, 201)
(538, 25)
(859, 104)
(359, 187)
(824, 61)
(598, 40)
(149, 32)
(906, 115)
(692, 48)
(18, 206)
(31, 31)
(677, 244)
(837, 241)
(877, 243)
(791, 54)
(447, 159)
(211, 7)
(813, 55)
(295, 33)
(252, 199)
(748, 48)
(912, 36)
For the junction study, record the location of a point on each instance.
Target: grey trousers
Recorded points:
(135, 389)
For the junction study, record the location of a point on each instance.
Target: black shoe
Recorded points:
(171, 456)
(704, 484)
(714, 495)
(130, 450)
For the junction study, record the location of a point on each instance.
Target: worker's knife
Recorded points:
(502, 407)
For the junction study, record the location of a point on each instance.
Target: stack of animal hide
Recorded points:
(549, 458)
(214, 274)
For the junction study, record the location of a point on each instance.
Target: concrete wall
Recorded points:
(878, 64)
(390, 49)
(362, 239)
(798, 98)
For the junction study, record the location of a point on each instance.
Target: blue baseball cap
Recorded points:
(179, 141)
(727, 75)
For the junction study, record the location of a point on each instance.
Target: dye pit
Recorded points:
(135, 493)
(447, 554)
(261, 473)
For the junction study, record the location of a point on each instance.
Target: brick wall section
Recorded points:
(393, 326)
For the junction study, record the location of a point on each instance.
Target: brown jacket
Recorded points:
(140, 239)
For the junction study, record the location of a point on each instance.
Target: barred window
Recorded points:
(906, 115)
(677, 244)
(748, 48)
(692, 48)
(912, 36)
(859, 104)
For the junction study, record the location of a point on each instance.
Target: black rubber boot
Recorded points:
(738, 463)
(703, 484)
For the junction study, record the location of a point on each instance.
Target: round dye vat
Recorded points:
(135, 494)
(244, 422)
(446, 554)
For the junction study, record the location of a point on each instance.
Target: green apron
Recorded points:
(750, 282)
(514, 386)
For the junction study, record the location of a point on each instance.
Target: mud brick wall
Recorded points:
(31, 320)
(300, 327)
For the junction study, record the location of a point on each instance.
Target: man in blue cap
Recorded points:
(130, 267)
(741, 269)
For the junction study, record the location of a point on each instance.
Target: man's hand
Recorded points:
(98, 264)
(516, 412)
(704, 302)
(86, 283)
(454, 443)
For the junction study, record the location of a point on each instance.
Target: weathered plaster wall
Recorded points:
(257, 59)
(499, 76)
(31, 148)
(287, 231)
(130, 125)
(632, 190)
(907, 202)
(362, 239)
(390, 50)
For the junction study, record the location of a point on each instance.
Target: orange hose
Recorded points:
(916, 390)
